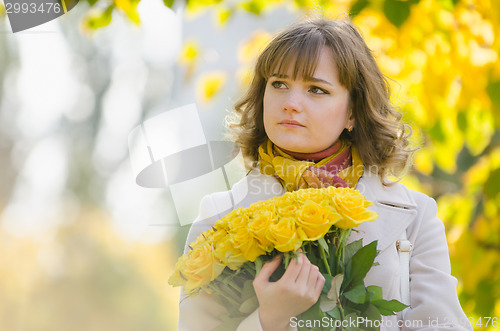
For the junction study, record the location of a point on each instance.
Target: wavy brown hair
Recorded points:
(379, 135)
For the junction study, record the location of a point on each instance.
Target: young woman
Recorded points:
(317, 113)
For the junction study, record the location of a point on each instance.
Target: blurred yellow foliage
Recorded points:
(253, 46)
(210, 84)
(129, 7)
(190, 56)
(222, 14)
(96, 18)
(84, 272)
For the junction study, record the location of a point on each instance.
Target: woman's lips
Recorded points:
(291, 124)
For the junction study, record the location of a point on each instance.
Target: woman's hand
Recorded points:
(297, 290)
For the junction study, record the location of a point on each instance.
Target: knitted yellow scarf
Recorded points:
(342, 168)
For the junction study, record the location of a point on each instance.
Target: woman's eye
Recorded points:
(278, 84)
(317, 90)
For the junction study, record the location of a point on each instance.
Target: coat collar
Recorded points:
(396, 209)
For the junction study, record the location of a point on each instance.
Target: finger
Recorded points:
(313, 277)
(303, 276)
(293, 270)
(318, 287)
(267, 270)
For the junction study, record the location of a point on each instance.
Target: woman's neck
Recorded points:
(317, 156)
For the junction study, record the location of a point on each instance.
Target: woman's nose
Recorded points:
(293, 101)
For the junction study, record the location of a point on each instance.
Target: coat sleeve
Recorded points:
(433, 297)
(201, 312)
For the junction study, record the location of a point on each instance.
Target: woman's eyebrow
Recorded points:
(310, 79)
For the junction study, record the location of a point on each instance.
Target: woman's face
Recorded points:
(307, 116)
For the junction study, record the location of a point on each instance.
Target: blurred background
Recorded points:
(83, 247)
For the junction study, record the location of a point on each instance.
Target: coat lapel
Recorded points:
(395, 207)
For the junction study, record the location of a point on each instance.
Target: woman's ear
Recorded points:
(350, 123)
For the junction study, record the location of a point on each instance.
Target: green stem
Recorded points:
(250, 268)
(224, 294)
(342, 314)
(344, 235)
(237, 290)
(325, 261)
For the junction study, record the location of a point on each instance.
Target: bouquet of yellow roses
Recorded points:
(225, 259)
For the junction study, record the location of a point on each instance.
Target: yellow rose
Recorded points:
(352, 207)
(252, 208)
(284, 235)
(288, 210)
(285, 200)
(314, 220)
(176, 279)
(216, 236)
(223, 223)
(312, 194)
(239, 221)
(228, 254)
(244, 240)
(259, 226)
(199, 268)
(204, 237)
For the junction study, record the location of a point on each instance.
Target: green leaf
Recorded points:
(492, 184)
(313, 313)
(328, 284)
(286, 261)
(389, 307)
(358, 7)
(462, 121)
(351, 249)
(335, 313)
(357, 294)
(258, 264)
(168, 3)
(437, 133)
(493, 89)
(377, 292)
(396, 11)
(373, 314)
(253, 6)
(100, 19)
(326, 304)
(334, 292)
(323, 244)
(351, 317)
(332, 260)
(360, 264)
